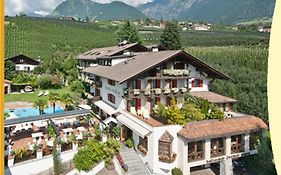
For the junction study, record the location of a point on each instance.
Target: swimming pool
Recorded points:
(29, 111)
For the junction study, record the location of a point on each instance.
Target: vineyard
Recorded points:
(247, 66)
(42, 37)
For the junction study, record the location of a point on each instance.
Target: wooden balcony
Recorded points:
(195, 156)
(217, 152)
(171, 74)
(156, 92)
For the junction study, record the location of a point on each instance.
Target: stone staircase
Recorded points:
(134, 162)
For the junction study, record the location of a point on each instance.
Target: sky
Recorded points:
(44, 7)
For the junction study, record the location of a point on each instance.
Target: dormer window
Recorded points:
(165, 148)
(197, 83)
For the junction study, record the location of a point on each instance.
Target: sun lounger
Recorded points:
(46, 93)
(40, 94)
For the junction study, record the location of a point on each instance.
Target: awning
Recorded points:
(133, 125)
(105, 107)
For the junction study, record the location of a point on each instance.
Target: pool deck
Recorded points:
(17, 104)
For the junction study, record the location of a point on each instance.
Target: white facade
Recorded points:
(25, 67)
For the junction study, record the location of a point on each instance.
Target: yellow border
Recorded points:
(274, 96)
(2, 86)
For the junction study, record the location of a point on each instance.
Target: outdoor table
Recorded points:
(50, 143)
(67, 130)
(79, 137)
(81, 129)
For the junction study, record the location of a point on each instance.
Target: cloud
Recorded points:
(13, 7)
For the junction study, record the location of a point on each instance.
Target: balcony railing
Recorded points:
(154, 92)
(237, 148)
(217, 152)
(195, 156)
(171, 74)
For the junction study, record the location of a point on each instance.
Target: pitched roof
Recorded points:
(166, 137)
(23, 56)
(143, 61)
(8, 81)
(105, 51)
(213, 97)
(195, 131)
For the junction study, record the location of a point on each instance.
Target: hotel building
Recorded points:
(128, 81)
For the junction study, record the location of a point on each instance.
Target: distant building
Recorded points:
(201, 27)
(265, 29)
(24, 63)
(7, 86)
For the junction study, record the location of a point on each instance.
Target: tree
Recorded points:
(53, 98)
(192, 113)
(58, 168)
(77, 86)
(40, 104)
(10, 70)
(170, 37)
(174, 115)
(66, 99)
(128, 32)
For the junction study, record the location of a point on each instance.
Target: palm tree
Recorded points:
(66, 99)
(53, 98)
(40, 104)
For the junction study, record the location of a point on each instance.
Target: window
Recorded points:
(111, 98)
(217, 147)
(111, 82)
(237, 144)
(165, 148)
(254, 137)
(136, 84)
(136, 102)
(197, 83)
(21, 60)
(157, 100)
(143, 145)
(156, 84)
(17, 68)
(195, 151)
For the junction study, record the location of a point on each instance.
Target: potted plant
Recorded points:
(109, 164)
(74, 142)
(39, 150)
(11, 158)
(116, 131)
(129, 143)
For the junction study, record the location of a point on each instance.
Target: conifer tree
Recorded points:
(128, 32)
(170, 38)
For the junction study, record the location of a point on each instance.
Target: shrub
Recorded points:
(56, 161)
(77, 86)
(51, 132)
(129, 143)
(116, 131)
(49, 81)
(176, 171)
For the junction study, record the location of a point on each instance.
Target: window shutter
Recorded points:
(174, 83)
(157, 83)
(201, 83)
(138, 103)
(138, 84)
(192, 83)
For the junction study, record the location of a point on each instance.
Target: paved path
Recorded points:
(134, 162)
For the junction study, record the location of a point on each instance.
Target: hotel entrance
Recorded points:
(126, 133)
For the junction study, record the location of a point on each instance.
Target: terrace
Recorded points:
(32, 138)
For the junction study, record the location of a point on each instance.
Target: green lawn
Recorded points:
(31, 97)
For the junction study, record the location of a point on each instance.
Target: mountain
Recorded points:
(226, 11)
(88, 8)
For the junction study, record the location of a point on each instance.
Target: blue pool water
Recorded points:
(28, 112)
